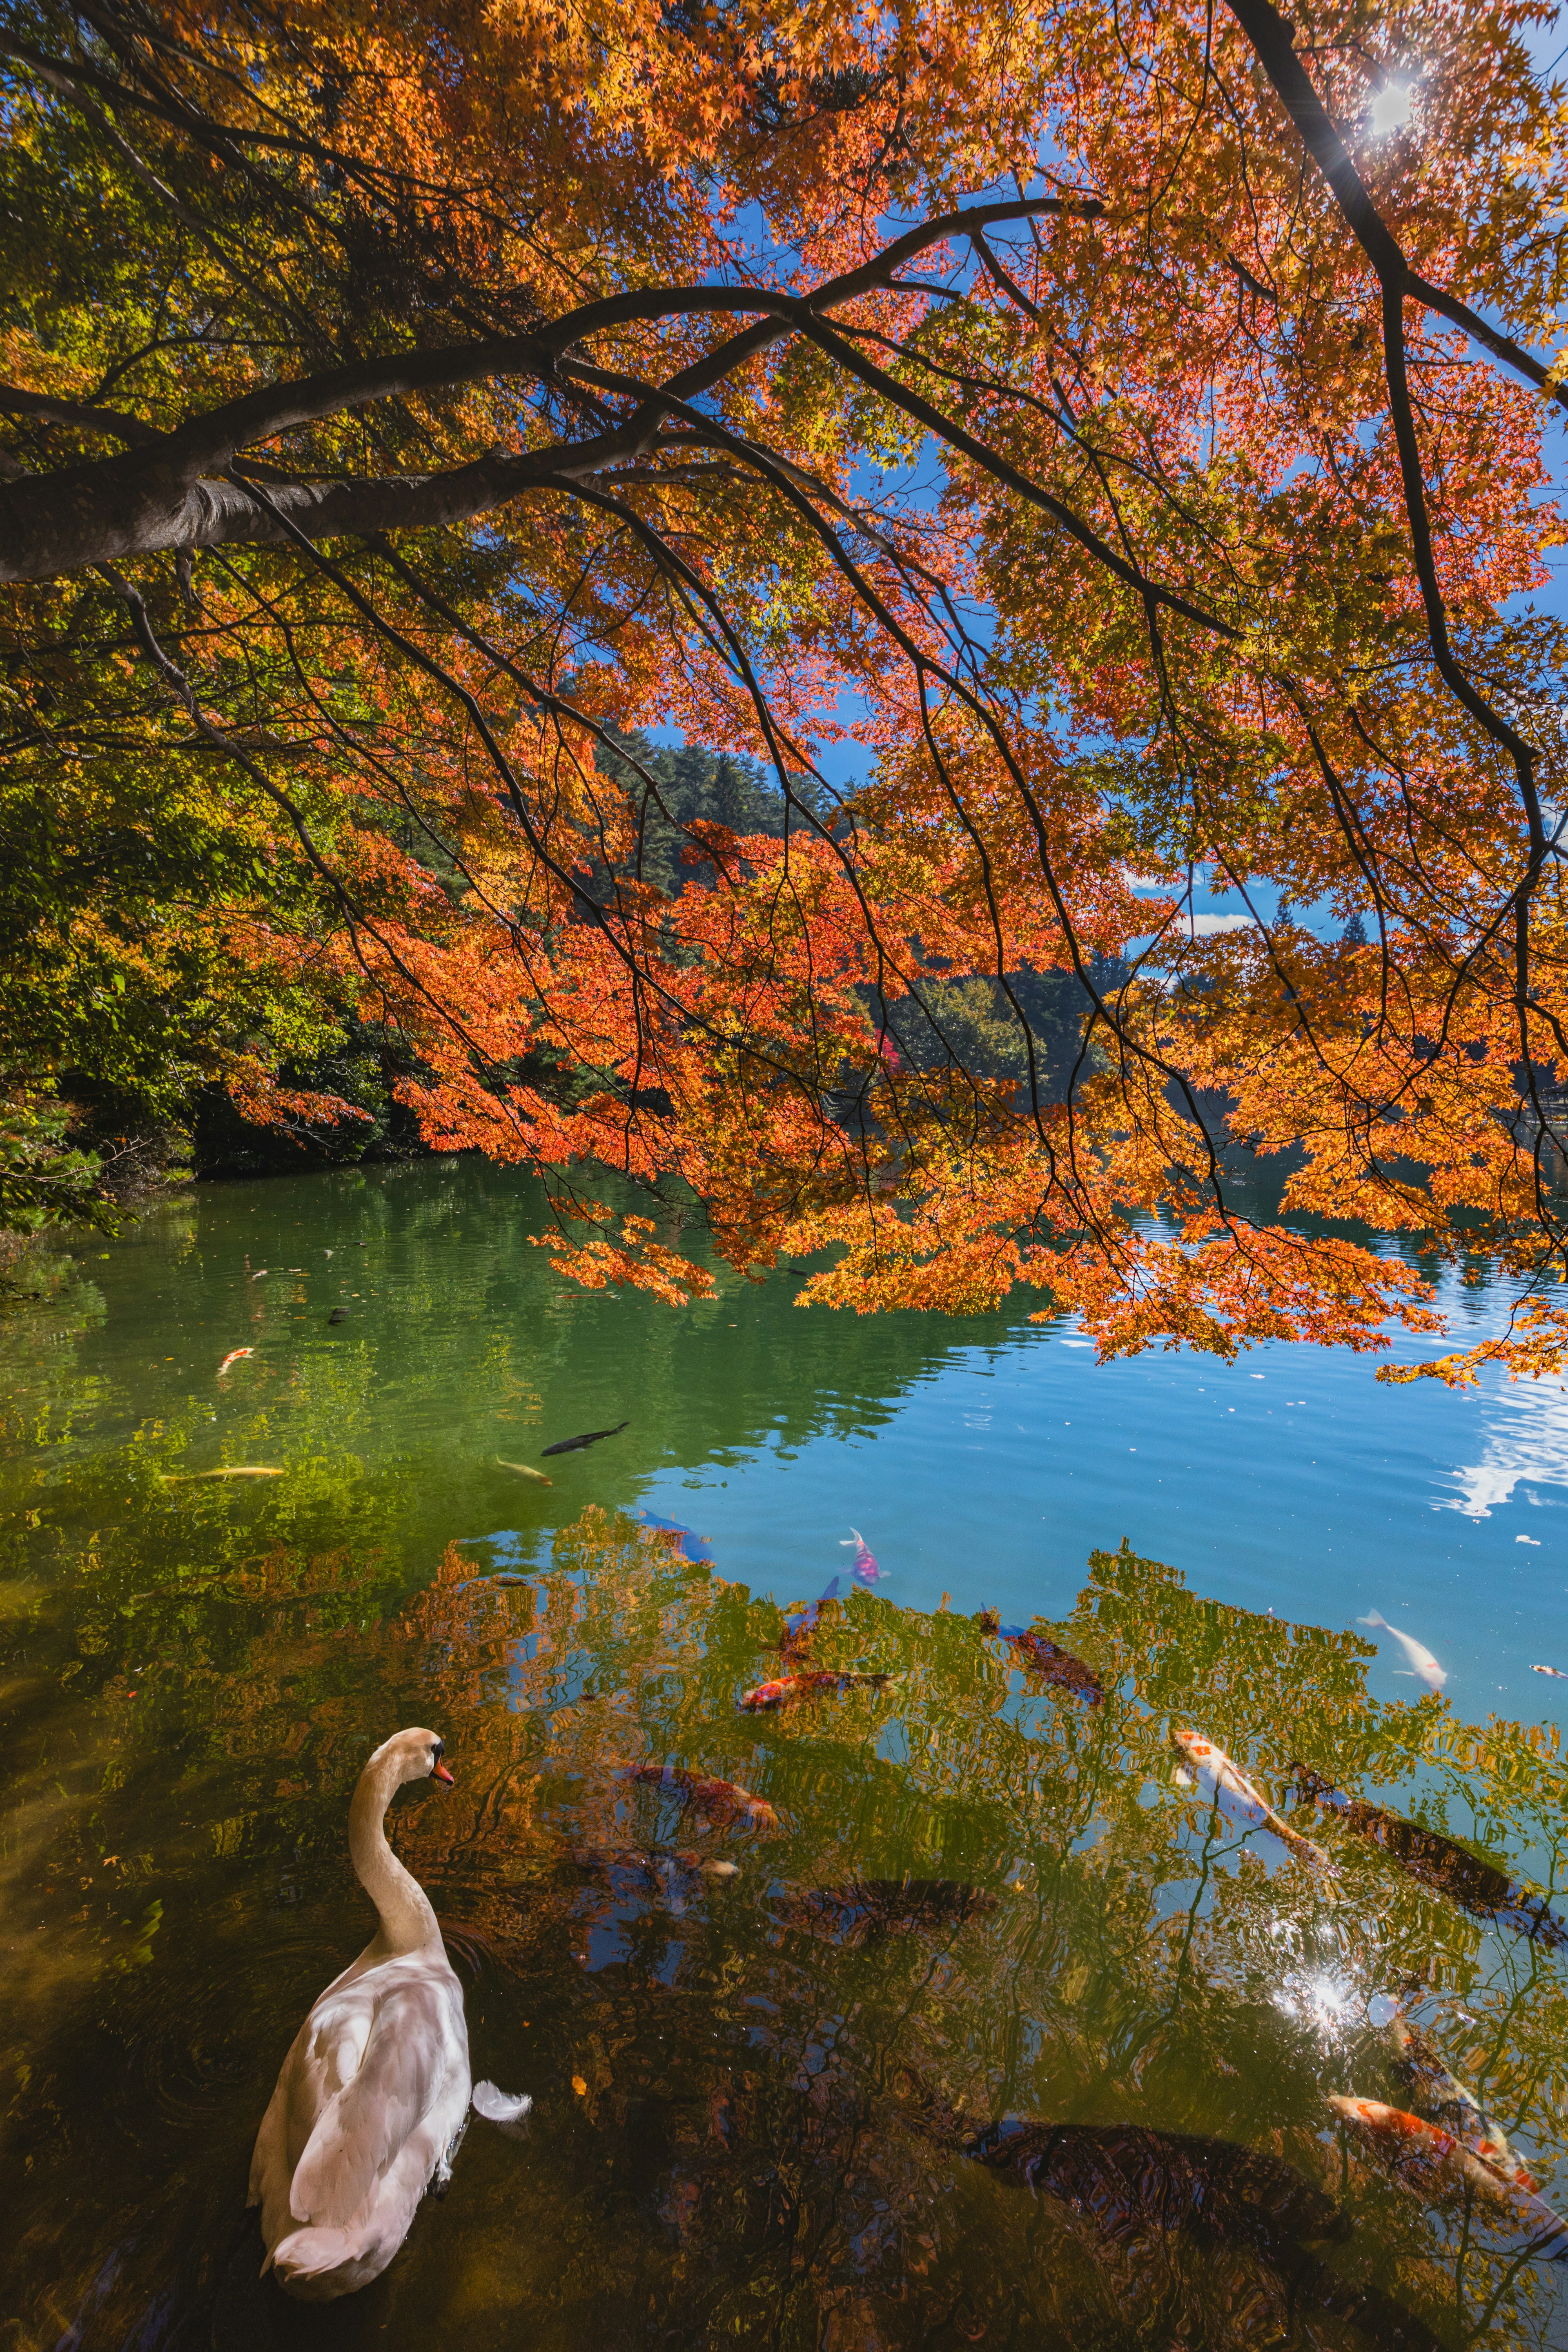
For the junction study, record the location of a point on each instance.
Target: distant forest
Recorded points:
(968, 1019)
(721, 787)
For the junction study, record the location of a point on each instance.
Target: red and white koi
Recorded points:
(1458, 2108)
(810, 1681)
(721, 1797)
(1433, 2163)
(233, 1356)
(1214, 1769)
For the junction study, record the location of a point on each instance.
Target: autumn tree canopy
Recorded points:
(1095, 415)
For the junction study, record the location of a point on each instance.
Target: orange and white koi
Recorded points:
(1433, 2163)
(1215, 1770)
(233, 1356)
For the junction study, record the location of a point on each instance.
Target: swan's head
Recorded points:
(418, 1756)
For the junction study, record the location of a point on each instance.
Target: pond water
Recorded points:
(789, 2107)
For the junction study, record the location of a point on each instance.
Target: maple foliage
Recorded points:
(1089, 415)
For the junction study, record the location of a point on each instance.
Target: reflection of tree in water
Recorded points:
(474, 1348)
(780, 2132)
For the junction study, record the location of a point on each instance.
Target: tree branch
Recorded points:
(163, 496)
(1271, 38)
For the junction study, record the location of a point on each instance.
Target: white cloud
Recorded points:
(1204, 926)
(1526, 1442)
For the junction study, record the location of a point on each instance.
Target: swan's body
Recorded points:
(372, 2097)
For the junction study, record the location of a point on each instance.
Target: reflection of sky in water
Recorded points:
(1526, 1444)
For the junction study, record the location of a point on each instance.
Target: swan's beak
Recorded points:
(438, 1773)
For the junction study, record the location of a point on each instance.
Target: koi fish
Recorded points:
(669, 1876)
(233, 1356)
(692, 1546)
(1212, 1769)
(811, 1682)
(1046, 1659)
(1433, 2163)
(1135, 2189)
(588, 1437)
(798, 1630)
(721, 1797)
(1556, 1671)
(1478, 1886)
(866, 1567)
(523, 1471)
(1127, 2176)
(1057, 1665)
(1457, 2109)
(1423, 1664)
(872, 1906)
(235, 1470)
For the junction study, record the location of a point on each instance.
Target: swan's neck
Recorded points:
(408, 1921)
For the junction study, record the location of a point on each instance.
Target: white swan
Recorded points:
(372, 2097)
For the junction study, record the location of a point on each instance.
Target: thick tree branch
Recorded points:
(165, 495)
(14, 401)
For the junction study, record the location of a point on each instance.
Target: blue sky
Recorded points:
(845, 763)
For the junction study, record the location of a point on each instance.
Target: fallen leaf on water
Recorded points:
(579, 2085)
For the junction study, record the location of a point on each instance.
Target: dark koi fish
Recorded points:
(669, 1877)
(872, 1906)
(799, 1628)
(1129, 2177)
(588, 1437)
(809, 1682)
(1046, 1659)
(1425, 2158)
(1477, 1886)
(1132, 2187)
(723, 1798)
(692, 1547)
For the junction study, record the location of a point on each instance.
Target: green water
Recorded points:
(756, 2111)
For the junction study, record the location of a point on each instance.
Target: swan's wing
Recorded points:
(359, 2130)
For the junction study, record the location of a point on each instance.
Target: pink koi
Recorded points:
(866, 1567)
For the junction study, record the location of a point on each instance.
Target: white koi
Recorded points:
(235, 1470)
(1423, 1664)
